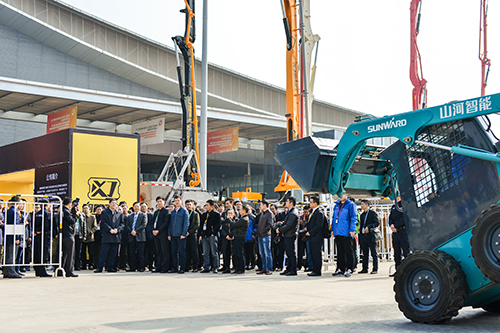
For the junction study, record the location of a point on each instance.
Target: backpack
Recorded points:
(327, 233)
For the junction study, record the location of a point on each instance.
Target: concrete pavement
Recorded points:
(193, 302)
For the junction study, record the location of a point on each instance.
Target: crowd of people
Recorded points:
(178, 237)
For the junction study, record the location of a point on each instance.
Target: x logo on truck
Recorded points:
(103, 188)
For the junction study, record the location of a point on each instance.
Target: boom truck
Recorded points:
(446, 170)
(181, 173)
(299, 77)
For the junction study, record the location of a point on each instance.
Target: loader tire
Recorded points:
(492, 307)
(485, 243)
(430, 287)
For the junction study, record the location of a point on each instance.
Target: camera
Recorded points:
(302, 234)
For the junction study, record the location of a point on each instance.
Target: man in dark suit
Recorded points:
(68, 238)
(42, 225)
(209, 228)
(161, 222)
(314, 233)
(112, 226)
(135, 227)
(368, 220)
(150, 238)
(288, 230)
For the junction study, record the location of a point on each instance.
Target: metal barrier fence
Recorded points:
(31, 232)
(384, 247)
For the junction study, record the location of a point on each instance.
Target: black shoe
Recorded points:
(216, 271)
(98, 271)
(180, 272)
(12, 276)
(112, 270)
(308, 270)
(22, 270)
(205, 271)
(240, 272)
(173, 271)
(195, 270)
(141, 270)
(313, 274)
(338, 272)
(226, 271)
(72, 275)
(165, 271)
(291, 274)
(156, 271)
(362, 272)
(374, 272)
(284, 272)
(130, 270)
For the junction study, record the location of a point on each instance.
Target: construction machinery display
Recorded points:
(181, 173)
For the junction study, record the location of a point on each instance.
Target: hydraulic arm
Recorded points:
(187, 87)
(419, 94)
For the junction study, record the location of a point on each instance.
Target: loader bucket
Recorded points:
(308, 161)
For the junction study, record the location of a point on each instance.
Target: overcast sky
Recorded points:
(364, 52)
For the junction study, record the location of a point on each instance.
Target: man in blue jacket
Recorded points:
(177, 233)
(345, 217)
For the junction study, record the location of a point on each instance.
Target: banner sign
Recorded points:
(52, 180)
(62, 120)
(222, 141)
(151, 131)
(113, 175)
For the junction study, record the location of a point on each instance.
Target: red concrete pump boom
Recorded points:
(419, 83)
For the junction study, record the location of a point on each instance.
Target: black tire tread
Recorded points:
(485, 272)
(458, 286)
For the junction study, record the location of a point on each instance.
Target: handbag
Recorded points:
(376, 234)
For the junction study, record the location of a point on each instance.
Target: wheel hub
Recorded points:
(425, 287)
(495, 244)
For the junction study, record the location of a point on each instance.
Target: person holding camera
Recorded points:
(288, 230)
(368, 220)
(80, 231)
(237, 233)
(315, 236)
(68, 238)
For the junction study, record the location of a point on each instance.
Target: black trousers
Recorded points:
(278, 253)
(355, 251)
(345, 255)
(239, 254)
(87, 247)
(226, 253)
(315, 254)
(124, 253)
(68, 256)
(191, 252)
(108, 251)
(163, 254)
(250, 253)
(301, 251)
(290, 254)
(136, 254)
(151, 253)
(368, 246)
(39, 270)
(401, 244)
(78, 251)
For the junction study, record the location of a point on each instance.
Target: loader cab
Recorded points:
(442, 192)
